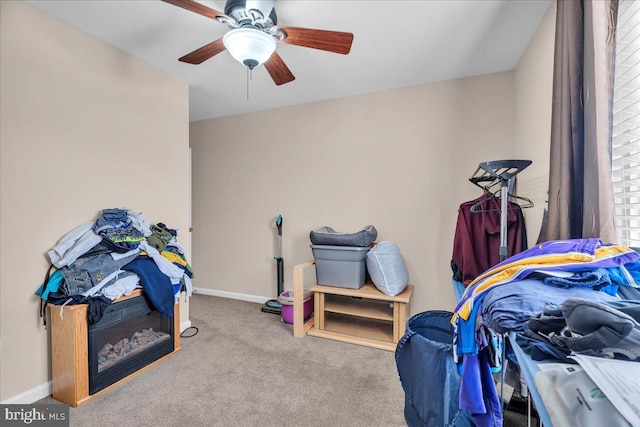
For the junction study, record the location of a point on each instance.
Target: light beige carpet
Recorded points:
(245, 368)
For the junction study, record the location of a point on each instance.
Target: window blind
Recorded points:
(626, 124)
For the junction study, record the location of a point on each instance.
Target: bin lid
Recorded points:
(286, 297)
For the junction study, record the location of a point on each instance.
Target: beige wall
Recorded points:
(84, 127)
(399, 160)
(534, 81)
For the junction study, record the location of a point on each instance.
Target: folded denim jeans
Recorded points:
(87, 272)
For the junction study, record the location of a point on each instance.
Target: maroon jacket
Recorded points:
(476, 244)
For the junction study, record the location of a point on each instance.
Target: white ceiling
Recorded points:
(396, 44)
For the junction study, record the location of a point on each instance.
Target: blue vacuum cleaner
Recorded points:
(273, 306)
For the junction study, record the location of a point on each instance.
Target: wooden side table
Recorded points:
(362, 316)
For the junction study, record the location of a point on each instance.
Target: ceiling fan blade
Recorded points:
(264, 6)
(331, 41)
(207, 51)
(278, 70)
(198, 8)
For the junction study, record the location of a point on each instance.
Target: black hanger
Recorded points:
(499, 172)
(512, 205)
(495, 172)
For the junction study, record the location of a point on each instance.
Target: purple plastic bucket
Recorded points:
(287, 308)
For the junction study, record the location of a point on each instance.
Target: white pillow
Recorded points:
(387, 269)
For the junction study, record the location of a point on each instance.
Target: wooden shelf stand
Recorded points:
(70, 352)
(362, 316)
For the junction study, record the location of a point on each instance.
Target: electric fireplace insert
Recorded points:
(129, 336)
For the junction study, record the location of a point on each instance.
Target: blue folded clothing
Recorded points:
(597, 280)
(507, 308)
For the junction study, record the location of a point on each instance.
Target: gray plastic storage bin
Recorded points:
(341, 266)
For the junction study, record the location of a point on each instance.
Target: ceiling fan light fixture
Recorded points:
(249, 46)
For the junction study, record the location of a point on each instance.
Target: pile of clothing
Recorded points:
(102, 260)
(514, 295)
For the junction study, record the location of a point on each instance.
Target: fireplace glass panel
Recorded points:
(129, 336)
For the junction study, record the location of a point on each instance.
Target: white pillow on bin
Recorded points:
(387, 269)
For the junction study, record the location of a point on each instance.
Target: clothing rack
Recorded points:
(488, 175)
(500, 172)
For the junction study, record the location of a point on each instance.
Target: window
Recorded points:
(626, 124)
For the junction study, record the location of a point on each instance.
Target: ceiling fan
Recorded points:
(254, 33)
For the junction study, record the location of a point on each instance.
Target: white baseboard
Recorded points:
(231, 295)
(185, 325)
(32, 395)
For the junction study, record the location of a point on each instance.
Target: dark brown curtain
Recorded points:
(580, 190)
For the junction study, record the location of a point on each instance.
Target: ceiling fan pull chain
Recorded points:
(248, 71)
